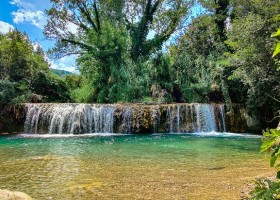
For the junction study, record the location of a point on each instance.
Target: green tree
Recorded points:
(53, 88)
(196, 56)
(112, 41)
(20, 64)
(250, 61)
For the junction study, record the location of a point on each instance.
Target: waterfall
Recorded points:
(196, 118)
(155, 117)
(122, 118)
(205, 118)
(69, 118)
(127, 120)
(178, 118)
(170, 119)
(222, 121)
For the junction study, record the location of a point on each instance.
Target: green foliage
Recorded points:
(22, 66)
(7, 92)
(271, 142)
(250, 59)
(115, 52)
(265, 190)
(19, 60)
(83, 94)
(277, 48)
(51, 87)
(74, 81)
(268, 189)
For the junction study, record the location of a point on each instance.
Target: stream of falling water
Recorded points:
(102, 118)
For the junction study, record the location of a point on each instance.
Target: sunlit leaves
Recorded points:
(271, 142)
(276, 34)
(277, 49)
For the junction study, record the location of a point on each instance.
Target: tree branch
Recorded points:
(96, 16)
(85, 12)
(83, 45)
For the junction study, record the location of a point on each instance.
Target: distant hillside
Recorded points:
(60, 72)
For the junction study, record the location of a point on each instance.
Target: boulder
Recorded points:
(10, 195)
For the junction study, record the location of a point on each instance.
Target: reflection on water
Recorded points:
(131, 166)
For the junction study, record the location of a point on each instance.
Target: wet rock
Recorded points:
(239, 121)
(10, 195)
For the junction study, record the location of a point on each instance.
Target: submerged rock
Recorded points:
(10, 195)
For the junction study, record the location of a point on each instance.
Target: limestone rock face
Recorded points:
(238, 120)
(9, 195)
(12, 118)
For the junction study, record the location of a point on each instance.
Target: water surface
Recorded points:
(171, 166)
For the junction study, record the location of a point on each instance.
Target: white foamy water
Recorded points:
(72, 119)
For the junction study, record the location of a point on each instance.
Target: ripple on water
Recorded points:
(131, 166)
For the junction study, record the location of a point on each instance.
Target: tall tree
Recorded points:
(220, 10)
(113, 36)
(251, 59)
(140, 17)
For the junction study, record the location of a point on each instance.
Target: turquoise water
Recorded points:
(129, 166)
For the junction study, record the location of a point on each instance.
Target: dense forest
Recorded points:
(152, 51)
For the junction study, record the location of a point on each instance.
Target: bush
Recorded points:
(265, 190)
(51, 87)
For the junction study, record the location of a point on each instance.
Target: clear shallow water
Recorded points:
(182, 166)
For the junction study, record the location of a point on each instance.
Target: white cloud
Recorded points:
(28, 13)
(22, 4)
(36, 46)
(37, 18)
(73, 28)
(66, 63)
(5, 27)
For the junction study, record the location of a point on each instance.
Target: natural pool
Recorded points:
(158, 166)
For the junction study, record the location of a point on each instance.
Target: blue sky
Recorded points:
(28, 16)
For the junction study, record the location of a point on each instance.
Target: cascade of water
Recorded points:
(95, 118)
(222, 117)
(127, 118)
(156, 117)
(205, 118)
(178, 118)
(69, 118)
(170, 119)
(198, 117)
(192, 117)
(31, 113)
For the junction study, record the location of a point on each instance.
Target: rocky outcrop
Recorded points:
(12, 118)
(9, 195)
(238, 120)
